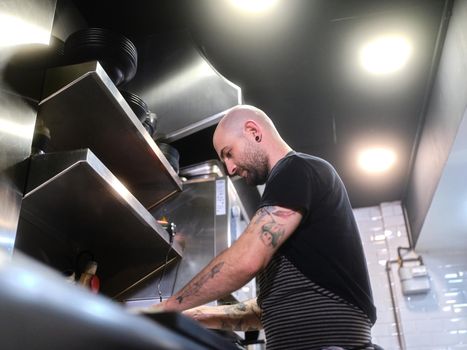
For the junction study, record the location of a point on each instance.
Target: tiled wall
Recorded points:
(436, 320)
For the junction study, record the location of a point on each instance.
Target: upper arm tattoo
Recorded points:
(271, 231)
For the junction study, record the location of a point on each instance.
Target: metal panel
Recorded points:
(89, 112)
(77, 204)
(17, 116)
(442, 118)
(16, 130)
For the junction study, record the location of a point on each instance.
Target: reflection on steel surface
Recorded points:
(17, 117)
(26, 22)
(16, 130)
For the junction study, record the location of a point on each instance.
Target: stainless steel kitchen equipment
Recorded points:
(17, 116)
(180, 85)
(90, 194)
(73, 203)
(209, 216)
(96, 199)
(84, 109)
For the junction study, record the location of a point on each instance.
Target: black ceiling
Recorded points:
(297, 63)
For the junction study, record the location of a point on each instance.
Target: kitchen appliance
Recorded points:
(210, 216)
(176, 80)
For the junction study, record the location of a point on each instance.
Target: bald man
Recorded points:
(302, 244)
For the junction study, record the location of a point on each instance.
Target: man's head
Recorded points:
(248, 143)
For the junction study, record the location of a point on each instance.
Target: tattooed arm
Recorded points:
(237, 265)
(244, 316)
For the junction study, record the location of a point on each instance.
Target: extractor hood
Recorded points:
(180, 85)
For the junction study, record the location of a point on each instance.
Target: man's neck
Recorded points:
(278, 154)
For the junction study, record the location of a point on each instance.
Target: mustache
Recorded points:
(239, 170)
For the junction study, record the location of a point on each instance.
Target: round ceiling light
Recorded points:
(386, 54)
(376, 160)
(254, 5)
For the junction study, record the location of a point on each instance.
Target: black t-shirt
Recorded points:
(326, 247)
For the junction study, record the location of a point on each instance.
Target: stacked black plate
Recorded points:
(140, 108)
(116, 53)
(172, 155)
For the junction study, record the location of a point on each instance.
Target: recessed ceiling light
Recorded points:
(376, 160)
(386, 54)
(254, 5)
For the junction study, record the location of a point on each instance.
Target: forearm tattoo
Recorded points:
(272, 231)
(194, 287)
(241, 317)
(232, 312)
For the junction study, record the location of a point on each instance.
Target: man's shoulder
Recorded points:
(308, 159)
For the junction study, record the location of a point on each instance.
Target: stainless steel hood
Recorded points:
(180, 85)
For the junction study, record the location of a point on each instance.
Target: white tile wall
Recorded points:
(436, 320)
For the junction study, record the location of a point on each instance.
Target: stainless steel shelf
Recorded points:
(84, 109)
(74, 201)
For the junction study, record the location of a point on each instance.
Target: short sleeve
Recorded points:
(289, 186)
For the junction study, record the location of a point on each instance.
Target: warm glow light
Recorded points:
(376, 160)
(15, 31)
(254, 5)
(385, 55)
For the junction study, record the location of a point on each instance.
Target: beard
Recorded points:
(254, 168)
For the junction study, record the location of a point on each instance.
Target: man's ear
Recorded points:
(251, 128)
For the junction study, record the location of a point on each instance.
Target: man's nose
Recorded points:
(231, 168)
